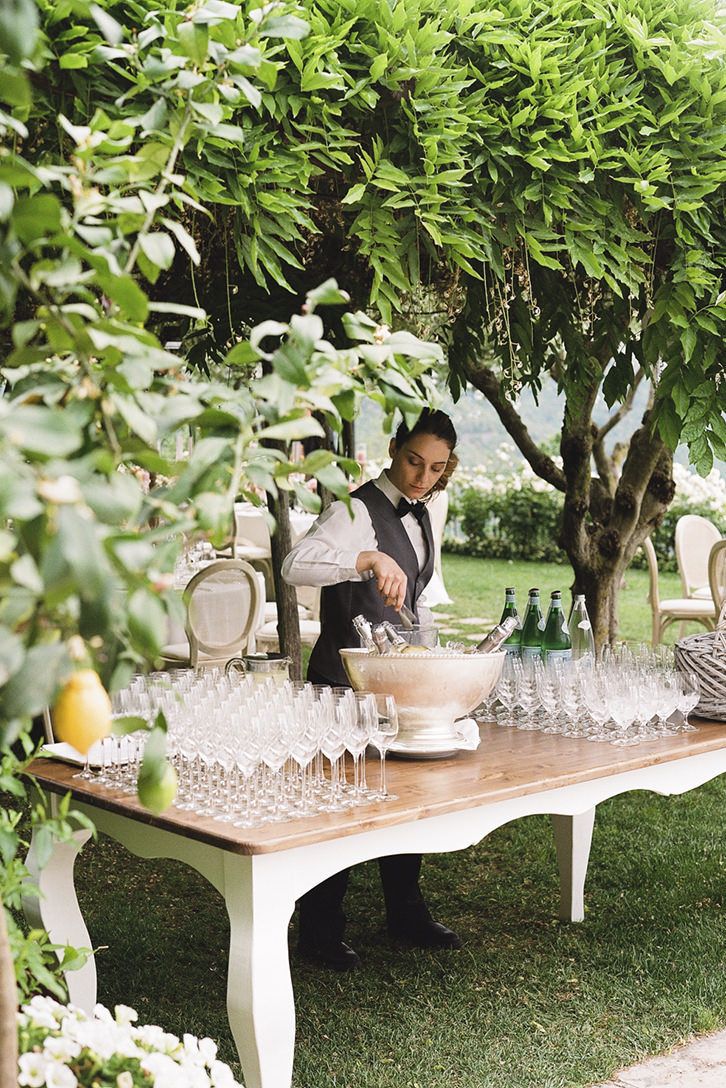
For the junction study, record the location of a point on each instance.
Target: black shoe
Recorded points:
(329, 953)
(423, 933)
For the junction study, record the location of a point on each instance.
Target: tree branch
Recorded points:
(485, 380)
(622, 411)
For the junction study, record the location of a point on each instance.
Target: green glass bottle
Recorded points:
(513, 644)
(556, 641)
(531, 640)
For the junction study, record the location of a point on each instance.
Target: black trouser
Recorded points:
(321, 909)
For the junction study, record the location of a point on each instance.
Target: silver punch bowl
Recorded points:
(431, 691)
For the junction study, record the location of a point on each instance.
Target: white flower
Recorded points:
(208, 1050)
(98, 1037)
(191, 1048)
(42, 1019)
(125, 1014)
(194, 1074)
(32, 1069)
(125, 1080)
(151, 1036)
(100, 1012)
(58, 1075)
(165, 1072)
(43, 1012)
(61, 1048)
(221, 1075)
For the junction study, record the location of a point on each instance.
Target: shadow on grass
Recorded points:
(528, 1003)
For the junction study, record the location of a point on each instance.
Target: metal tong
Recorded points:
(407, 618)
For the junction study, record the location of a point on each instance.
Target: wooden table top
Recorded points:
(508, 763)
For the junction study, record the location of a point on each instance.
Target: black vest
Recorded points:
(341, 602)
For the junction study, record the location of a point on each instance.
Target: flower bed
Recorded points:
(60, 1046)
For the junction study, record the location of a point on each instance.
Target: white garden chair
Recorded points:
(695, 537)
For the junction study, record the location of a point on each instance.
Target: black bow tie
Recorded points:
(418, 509)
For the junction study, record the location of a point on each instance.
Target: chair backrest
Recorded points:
(717, 574)
(223, 604)
(652, 561)
(695, 536)
(251, 528)
(309, 598)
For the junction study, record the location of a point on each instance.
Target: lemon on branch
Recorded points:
(82, 711)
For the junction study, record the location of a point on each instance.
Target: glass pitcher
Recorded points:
(261, 667)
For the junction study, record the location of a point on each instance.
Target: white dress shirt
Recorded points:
(327, 554)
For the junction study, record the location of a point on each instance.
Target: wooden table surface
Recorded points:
(508, 763)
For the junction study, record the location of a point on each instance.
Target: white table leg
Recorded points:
(260, 1001)
(573, 837)
(55, 908)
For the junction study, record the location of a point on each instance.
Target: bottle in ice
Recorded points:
(498, 636)
(513, 643)
(399, 644)
(363, 629)
(532, 625)
(580, 628)
(556, 642)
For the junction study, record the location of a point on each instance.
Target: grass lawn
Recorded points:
(476, 587)
(528, 1002)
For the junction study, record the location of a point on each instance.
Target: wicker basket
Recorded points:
(705, 655)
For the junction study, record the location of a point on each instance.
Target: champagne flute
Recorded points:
(384, 733)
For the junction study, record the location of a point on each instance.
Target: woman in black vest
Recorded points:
(373, 563)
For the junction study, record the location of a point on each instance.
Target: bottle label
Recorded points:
(513, 650)
(531, 651)
(557, 655)
(584, 625)
(542, 624)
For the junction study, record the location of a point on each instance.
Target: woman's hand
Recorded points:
(390, 579)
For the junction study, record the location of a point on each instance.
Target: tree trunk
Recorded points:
(605, 520)
(8, 1008)
(288, 623)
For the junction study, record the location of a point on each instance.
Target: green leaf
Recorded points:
(128, 296)
(18, 29)
(33, 686)
(183, 237)
(242, 354)
(284, 26)
(73, 60)
(327, 294)
(293, 429)
(7, 199)
(379, 66)
(36, 216)
(193, 41)
(669, 424)
(354, 194)
(316, 460)
(216, 11)
(111, 30)
(345, 403)
(82, 552)
(41, 432)
(158, 248)
(128, 723)
(688, 343)
(11, 654)
(136, 418)
(177, 308)
(147, 621)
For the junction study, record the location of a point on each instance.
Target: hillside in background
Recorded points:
(480, 431)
